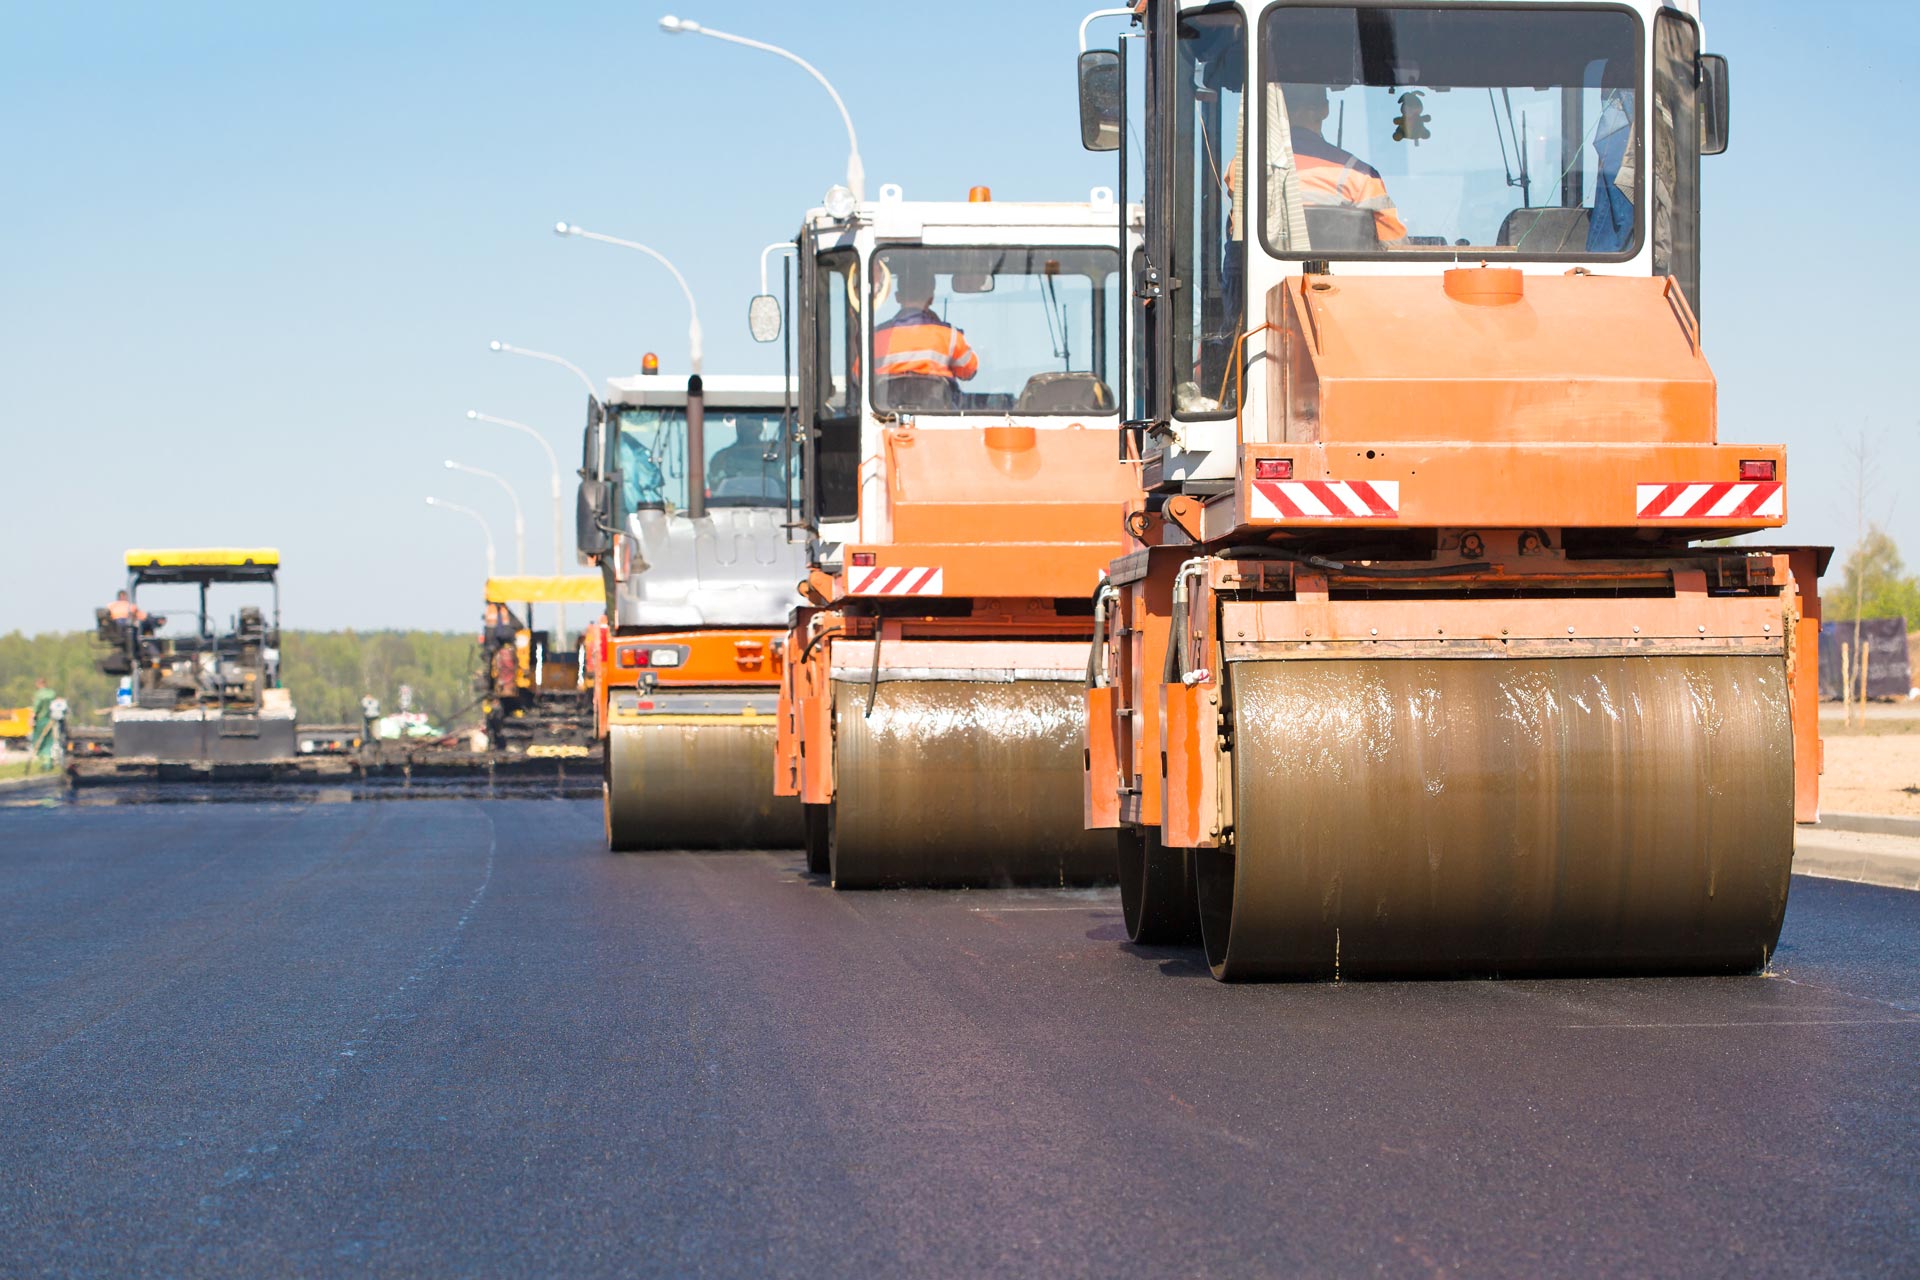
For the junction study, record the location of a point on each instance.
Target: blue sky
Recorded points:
(253, 254)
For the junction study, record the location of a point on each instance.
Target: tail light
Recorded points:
(1756, 469)
(1273, 468)
(861, 559)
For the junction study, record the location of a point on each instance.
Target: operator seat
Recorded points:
(1548, 230)
(1336, 229)
(918, 392)
(1062, 392)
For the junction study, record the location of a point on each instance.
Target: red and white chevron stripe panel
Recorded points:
(913, 580)
(1341, 499)
(1727, 500)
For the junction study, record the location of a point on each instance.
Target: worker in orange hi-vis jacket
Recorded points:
(1331, 176)
(918, 343)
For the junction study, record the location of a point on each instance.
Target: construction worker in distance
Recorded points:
(123, 609)
(40, 745)
(1331, 176)
(916, 343)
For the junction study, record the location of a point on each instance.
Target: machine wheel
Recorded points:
(814, 819)
(954, 783)
(1503, 816)
(1156, 890)
(696, 786)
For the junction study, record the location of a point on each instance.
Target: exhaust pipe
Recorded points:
(696, 448)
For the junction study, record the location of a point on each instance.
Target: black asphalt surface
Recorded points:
(457, 1038)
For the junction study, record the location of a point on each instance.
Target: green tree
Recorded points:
(327, 671)
(1873, 583)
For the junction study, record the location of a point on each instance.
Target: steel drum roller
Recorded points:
(1573, 815)
(687, 786)
(953, 783)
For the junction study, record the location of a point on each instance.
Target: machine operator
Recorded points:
(1331, 176)
(917, 343)
(751, 462)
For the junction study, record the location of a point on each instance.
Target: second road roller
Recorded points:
(1429, 654)
(686, 486)
(960, 393)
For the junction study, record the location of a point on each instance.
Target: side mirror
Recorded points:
(1713, 104)
(1100, 100)
(763, 318)
(592, 517)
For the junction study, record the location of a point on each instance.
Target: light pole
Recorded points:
(856, 173)
(693, 308)
(784, 246)
(509, 349)
(519, 523)
(440, 504)
(553, 475)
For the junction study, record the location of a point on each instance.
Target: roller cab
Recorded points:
(1429, 655)
(961, 384)
(686, 495)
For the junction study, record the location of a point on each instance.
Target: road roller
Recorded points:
(1432, 651)
(686, 490)
(960, 389)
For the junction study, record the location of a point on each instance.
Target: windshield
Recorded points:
(995, 330)
(1433, 130)
(744, 458)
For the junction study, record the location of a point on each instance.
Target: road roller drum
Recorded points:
(693, 784)
(1629, 814)
(951, 783)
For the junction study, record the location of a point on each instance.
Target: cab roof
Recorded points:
(572, 588)
(203, 564)
(721, 391)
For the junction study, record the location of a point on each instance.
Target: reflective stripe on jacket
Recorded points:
(1330, 176)
(919, 342)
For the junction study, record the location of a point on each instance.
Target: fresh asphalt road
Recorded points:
(456, 1037)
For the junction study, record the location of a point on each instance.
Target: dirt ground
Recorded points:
(1873, 767)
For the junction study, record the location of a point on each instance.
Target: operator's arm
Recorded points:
(960, 357)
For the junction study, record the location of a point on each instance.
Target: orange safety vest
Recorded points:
(1330, 176)
(920, 343)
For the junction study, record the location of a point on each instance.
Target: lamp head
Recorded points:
(451, 465)
(839, 202)
(496, 345)
(565, 229)
(472, 414)
(674, 26)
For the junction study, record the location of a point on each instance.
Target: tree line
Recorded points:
(1873, 583)
(327, 672)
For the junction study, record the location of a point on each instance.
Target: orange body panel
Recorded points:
(1101, 797)
(1190, 727)
(1804, 665)
(1005, 484)
(1500, 486)
(729, 657)
(1030, 570)
(1544, 358)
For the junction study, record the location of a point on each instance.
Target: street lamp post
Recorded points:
(553, 474)
(693, 307)
(509, 349)
(856, 172)
(696, 392)
(441, 504)
(519, 522)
